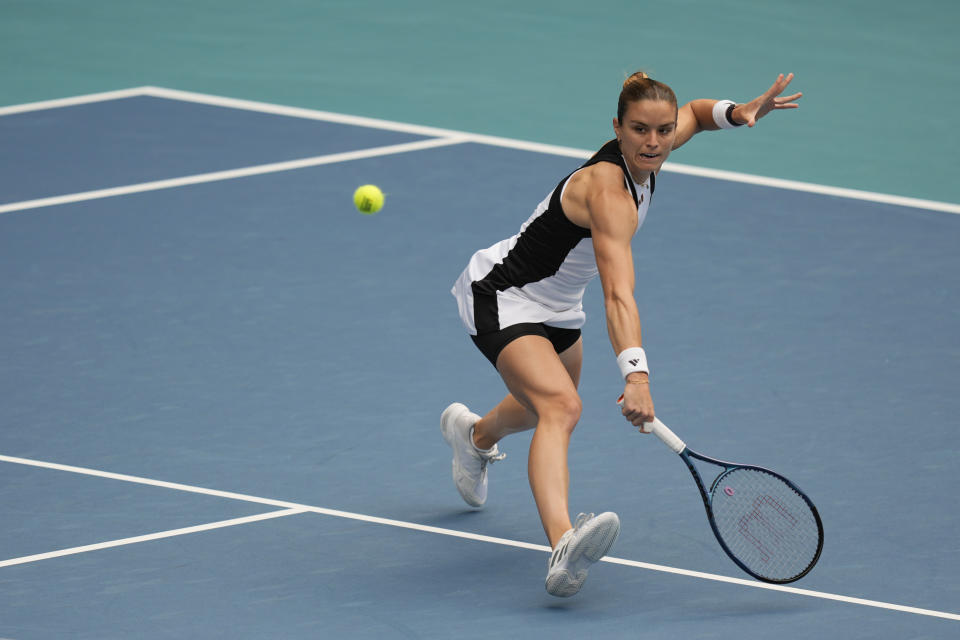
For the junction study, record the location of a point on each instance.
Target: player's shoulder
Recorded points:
(586, 188)
(602, 176)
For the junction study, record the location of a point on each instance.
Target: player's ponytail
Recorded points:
(640, 86)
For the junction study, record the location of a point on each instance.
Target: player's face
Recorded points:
(646, 134)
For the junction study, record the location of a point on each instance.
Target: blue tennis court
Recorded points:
(222, 388)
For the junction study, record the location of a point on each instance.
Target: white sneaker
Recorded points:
(588, 541)
(469, 462)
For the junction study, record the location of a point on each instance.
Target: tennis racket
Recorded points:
(764, 522)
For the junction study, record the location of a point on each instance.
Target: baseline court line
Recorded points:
(150, 536)
(230, 174)
(73, 101)
(291, 507)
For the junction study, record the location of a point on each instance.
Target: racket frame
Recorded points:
(686, 454)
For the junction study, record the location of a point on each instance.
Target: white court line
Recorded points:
(291, 507)
(72, 101)
(360, 121)
(536, 147)
(151, 536)
(809, 187)
(230, 174)
(327, 116)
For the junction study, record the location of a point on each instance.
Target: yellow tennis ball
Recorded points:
(368, 199)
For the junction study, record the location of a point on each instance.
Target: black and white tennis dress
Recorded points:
(540, 274)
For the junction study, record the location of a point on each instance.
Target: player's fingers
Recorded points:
(783, 81)
(776, 88)
(782, 99)
(642, 418)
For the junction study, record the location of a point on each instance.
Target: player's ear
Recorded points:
(616, 127)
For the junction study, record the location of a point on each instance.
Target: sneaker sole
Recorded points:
(593, 545)
(564, 584)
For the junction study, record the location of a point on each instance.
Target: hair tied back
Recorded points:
(640, 86)
(635, 76)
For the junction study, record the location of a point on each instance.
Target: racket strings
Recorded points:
(766, 524)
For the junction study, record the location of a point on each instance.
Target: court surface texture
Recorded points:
(222, 387)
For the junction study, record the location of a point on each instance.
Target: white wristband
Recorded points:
(722, 114)
(632, 360)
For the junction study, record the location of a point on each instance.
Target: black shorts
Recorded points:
(491, 344)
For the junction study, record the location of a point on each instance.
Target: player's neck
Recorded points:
(638, 177)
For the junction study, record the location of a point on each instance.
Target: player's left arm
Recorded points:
(697, 115)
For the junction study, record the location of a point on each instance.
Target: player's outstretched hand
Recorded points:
(771, 99)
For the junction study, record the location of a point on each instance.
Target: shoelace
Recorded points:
(561, 549)
(488, 457)
(492, 456)
(581, 520)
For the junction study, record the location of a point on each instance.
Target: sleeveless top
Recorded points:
(541, 273)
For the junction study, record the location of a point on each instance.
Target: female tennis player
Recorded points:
(521, 302)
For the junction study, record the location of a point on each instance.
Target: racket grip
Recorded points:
(662, 431)
(666, 436)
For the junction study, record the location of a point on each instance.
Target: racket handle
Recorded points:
(666, 436)
(661, 430)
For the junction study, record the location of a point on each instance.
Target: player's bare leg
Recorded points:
(540, 383)
(509, 416)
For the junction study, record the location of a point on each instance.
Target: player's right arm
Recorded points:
(612, 217)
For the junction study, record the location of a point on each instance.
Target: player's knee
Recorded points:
(563, 413)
